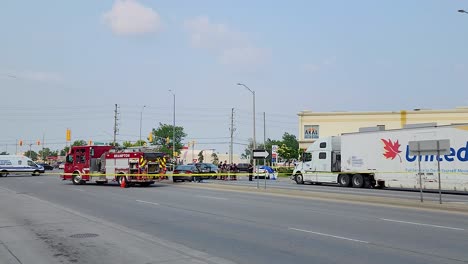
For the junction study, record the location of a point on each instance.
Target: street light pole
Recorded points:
(254, 141)
(173, 126)
(462, 11)
(141, 120)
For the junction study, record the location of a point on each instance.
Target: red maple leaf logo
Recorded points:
(391, 149)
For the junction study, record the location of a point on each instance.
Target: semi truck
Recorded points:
(103, 164)
(380, 158)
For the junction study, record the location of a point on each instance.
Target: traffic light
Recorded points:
(168, 140)
(90, 143)
(150, 137)
(21, 143)
(68, 135)
(38, 142)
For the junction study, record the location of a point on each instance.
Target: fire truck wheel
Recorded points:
(122, 178)
(77, 179)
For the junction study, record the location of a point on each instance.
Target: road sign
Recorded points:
(260, 154)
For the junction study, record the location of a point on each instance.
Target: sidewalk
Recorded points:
(35, 231)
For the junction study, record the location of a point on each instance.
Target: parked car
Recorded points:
(206, 168)
(243, 167)
(184, 169)
(46, 166)
(262, 171)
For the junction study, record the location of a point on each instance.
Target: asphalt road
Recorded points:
(286, 183)
(250, 228)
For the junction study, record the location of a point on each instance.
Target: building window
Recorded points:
(323, 145)
(322, 155)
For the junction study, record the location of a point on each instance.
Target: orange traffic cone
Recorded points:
(123, 183)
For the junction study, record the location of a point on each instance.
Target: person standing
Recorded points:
(250, 171)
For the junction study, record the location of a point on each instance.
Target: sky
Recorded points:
(65, 64)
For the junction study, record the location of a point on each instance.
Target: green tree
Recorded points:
(289, 148)
(248, 149)
(200, 156)
(165, 131)
(127, 144)
(46, 152)
(214, 159)
(31, 154)
(4, 153)
(139, 143)
(64, 151)
(79, 143)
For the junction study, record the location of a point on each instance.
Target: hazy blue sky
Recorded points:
(64, 64)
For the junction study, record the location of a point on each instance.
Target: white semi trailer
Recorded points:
(381, 158)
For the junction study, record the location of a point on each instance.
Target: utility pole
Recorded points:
(115, 124)
(193, 149)
(43, 139)
(16, 150)
(232, 129)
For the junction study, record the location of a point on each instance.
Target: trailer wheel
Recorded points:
(76, 179)
(299, 179)
(358, 181)
(36, 173)
(344, 180)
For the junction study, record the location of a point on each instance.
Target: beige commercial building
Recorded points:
(313, 125)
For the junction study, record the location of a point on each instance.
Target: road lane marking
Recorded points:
(79, 190)
(421, 224)
(328, 235)
(212, 197)
(140, 201)
(39, 182)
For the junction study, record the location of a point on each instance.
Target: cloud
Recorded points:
(229, 46)
(316, 67)
(37, 76)
(128, 17)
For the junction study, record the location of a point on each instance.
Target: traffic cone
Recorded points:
(123, 183)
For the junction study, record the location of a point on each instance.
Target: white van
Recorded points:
(16, 164)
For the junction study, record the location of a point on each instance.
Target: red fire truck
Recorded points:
(104, 164)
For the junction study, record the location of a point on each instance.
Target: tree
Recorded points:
(289, 148)
(214, 158)
(31, 154)
(129, 144)
(248, 150)
(46, 153)
(164, 132)
(200, 156)
(79, 143)
(4, 153)
(64, 151)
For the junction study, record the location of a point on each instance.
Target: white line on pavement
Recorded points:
(328, 235)
(140, 201)
(79, 190)
(413, 223)
(212, 197)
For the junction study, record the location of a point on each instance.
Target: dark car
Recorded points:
(46, 166)
(243, 167)
(185, 173)
(206, 168)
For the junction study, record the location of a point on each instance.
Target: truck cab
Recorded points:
(321, 162)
